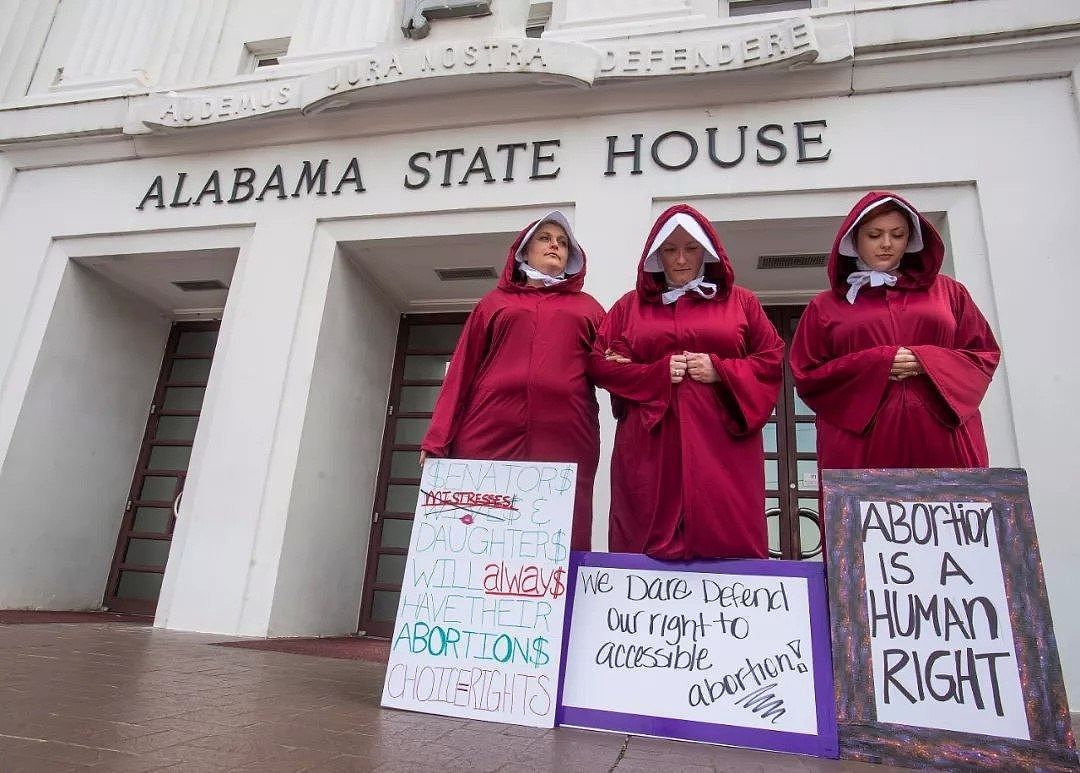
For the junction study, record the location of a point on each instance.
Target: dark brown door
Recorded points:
(791, 473)
(425, 343)
(142, 547)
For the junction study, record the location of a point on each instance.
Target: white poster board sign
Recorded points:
(940, 634)
(720, 651)
(479, 626)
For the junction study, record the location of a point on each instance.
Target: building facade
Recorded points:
(240, 238)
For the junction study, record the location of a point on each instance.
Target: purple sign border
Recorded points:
(822, 744)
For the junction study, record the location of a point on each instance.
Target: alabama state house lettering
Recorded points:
(710, 150)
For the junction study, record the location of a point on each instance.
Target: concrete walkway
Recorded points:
(127, 697)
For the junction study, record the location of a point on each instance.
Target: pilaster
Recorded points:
(114, 44)
(335, 29)
(24, 25)
(601, 19)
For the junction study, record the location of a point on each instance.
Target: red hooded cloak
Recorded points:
(843, 352)
(516, 388)
(687, 471)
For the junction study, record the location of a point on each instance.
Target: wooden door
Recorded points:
(142, 546)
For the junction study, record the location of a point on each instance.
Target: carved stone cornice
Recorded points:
(491, 63)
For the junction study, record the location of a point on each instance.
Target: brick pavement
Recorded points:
(126, 697)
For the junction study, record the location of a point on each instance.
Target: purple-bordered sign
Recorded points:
(735, 629)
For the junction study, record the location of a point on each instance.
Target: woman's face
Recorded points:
(882, 240)
(548, 249)
(681, 256)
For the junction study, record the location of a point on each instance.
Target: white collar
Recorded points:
(868, 276)
(547, 279)
(705, 289)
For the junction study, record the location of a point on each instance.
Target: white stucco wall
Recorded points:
(66, 476)
(247, 21)
(63, 28)
(325, 548)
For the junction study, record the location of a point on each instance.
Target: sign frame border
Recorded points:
(862, 737)
(822, 744)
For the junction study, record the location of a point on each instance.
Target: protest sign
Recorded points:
(942, 638)
(732, 652)
(479, 627)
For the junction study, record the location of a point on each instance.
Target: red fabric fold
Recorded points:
(749, 384)
(844, 390)
(645, 387)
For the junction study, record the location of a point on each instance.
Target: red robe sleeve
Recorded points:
(846, 390)
(961, 374)
(469, 354)
(648, 385)
(749, 385)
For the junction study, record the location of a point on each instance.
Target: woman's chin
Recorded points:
(882, 265)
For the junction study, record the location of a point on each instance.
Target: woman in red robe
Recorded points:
(895, 358)
(516, 388)
(693, 367)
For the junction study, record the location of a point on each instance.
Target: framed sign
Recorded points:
(942, 638)
(730, 652)
(479, 626)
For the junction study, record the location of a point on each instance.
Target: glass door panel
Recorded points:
(142, 546)
(425, 344)
(396, 533)
(791, 488)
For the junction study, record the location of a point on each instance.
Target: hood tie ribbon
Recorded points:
(859, 279)
(705, 289)
(532, 273)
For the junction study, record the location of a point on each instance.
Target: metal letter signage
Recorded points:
(416, 20)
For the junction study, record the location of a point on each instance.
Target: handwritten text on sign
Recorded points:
(479, 626)
(941, 639)
(718, 648)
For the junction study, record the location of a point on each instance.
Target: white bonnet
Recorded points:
(575, 261)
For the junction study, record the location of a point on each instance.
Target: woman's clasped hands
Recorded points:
(905, 365)
(695, 365)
